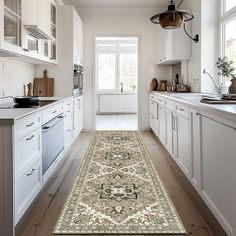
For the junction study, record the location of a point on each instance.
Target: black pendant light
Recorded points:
(174, 18)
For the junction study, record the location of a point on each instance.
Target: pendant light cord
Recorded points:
(195, 38)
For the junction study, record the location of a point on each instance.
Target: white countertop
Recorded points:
(227, 111)
(11, 115)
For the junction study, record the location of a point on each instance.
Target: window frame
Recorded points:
(118, 50)
(224, 18)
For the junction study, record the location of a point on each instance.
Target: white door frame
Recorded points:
(139, 93)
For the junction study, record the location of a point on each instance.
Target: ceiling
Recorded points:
(118, 3)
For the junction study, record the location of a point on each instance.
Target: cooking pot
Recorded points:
(25, 101)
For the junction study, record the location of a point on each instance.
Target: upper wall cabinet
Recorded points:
(11, 26)
(77, 39)
(28, 30)
(174, 46)
(36, 17)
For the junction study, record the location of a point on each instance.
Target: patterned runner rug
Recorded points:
(118, 191)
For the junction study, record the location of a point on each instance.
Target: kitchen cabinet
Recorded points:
(183, 145)
(26, 29)
(11, 26)
(36, 17)
(162, 123)
(195, 134)
(153, 115)
(68, 127)
(174, 46)
(27, 188)
(78, 119)
(218, 169)
(27, 150)
(77, 38)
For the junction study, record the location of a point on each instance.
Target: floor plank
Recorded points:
(42, 215)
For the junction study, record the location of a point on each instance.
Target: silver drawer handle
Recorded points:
(69, 111)
(181, 109)
(29, 125)
(54, 112)
(68, 130)
(28, 139)
(68, 104)
(31, 172)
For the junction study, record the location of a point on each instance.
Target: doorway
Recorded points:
(116, 83)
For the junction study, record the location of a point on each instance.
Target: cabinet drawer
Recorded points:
(153, 108)
(27, 188)
(182, 110)
(161, 101)
(26, 125)
(68, 104)
(152, 97)
(171, 105)
(51, 112)
(68, 118)
(28, 150)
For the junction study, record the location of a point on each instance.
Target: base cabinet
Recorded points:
(78, 118)
(203, 146)
(162, 124)
(183, 137)
(218, 170)
(195, 134)
(27, 188)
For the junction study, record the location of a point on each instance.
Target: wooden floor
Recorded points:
(43, 214)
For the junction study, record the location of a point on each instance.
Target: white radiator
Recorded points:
(118, 103)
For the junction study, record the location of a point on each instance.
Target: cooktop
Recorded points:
(41, 103)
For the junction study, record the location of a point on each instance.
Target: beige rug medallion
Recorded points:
(118, 191)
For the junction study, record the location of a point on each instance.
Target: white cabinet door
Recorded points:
(218, 170)
(183, 156)
(169, 131)
(80, 41)
(162, 123)
(195, 149)
(68, 128)
(27, 188)
(77, 38)
(44, 15)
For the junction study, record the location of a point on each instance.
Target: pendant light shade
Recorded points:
(173, 18)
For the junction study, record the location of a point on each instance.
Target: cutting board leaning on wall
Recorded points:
(43, 87)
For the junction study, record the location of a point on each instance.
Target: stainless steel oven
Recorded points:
(78, 78)
(53, 141)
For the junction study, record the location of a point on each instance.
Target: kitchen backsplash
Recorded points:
(13, 76)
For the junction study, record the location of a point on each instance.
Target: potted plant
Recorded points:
(226, 70)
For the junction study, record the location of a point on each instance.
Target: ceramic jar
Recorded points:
(232, 87)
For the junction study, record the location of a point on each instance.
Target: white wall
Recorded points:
(112, 22)
(204, 53)
(13, 76)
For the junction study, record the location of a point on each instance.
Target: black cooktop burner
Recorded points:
(41, 103)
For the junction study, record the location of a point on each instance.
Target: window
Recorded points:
(229, 4)
(228, 30)
(128, 70)
(106, 71)
(117, 64)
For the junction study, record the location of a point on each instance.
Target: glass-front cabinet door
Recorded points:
(12, 33)
(53, 25)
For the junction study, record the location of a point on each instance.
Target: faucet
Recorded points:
(217, 85)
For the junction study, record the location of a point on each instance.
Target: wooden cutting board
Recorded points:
(44, 87)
